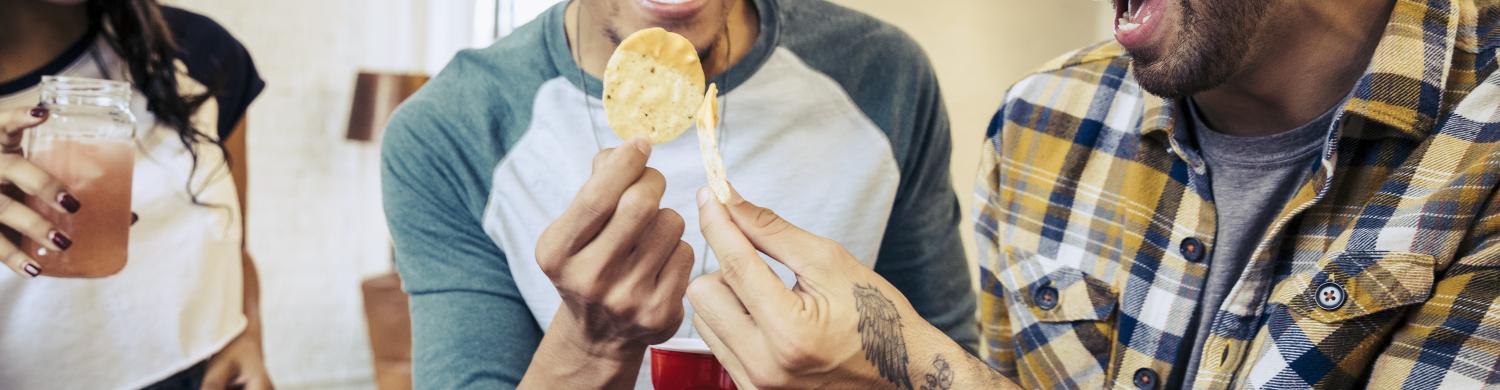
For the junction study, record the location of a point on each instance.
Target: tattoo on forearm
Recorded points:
(941, 377)
(880, 334)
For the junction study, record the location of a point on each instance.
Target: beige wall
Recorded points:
(980, 47)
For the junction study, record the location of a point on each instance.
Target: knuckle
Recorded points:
(766, 220)
(795, 353)
(600, 157)
(732, 266)
(547, 251)
(700, 289)
(672, 222)
(546, 260)
(35, 224)
(600, 293)
(668, 317)
(619, 304)
(769, 379)
(550, 268)
(829, 247)
(8, 162)
(683, 251)
(654, 178)
(637, 206)
(16, 259)
(595, 206)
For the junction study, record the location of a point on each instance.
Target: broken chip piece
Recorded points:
(708, 144)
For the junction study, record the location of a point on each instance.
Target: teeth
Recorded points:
(671, 1)
(1127, 22)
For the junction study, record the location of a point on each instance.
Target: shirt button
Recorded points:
(1192, 249)
(1331, 296)
(1045, 297)
(1146, 378)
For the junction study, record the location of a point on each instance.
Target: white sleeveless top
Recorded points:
(178, 299)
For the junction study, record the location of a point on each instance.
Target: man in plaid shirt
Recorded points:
(1232, 194)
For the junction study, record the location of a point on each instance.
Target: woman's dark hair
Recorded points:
(139, 33)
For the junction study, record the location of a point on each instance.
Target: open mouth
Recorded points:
(1136, 20)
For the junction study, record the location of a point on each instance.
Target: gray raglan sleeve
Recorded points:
(470, 327)
(922, 253)
(889, 76)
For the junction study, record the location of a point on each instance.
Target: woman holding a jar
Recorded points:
(122, 152)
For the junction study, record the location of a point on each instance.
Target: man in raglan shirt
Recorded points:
(535, 259)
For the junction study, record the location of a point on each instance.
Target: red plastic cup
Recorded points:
(687, 364)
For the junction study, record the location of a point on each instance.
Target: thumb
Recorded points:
(217, 377)
(258, 383)
(777, 237)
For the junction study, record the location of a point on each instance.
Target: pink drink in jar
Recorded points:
(88, 145)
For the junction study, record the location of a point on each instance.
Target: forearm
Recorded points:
(239, 170)
(251, 303)
(566, 358)
(937, 362)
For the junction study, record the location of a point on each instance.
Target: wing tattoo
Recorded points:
(880, 333)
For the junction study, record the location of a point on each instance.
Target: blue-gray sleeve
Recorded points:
(888, 75)
(470, 326)
(922, 253)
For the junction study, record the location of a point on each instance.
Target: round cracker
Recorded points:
(653, 86)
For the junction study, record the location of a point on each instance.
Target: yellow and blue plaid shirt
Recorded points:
(1383, 270)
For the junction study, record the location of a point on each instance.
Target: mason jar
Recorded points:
(87, 144)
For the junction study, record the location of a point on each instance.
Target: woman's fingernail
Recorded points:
(32, 269)
(38, 112)
(68, 202)
(134, 217)
(703, 195)
(62, 240)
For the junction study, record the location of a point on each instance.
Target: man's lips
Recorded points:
(1137, 21)
(672, 9)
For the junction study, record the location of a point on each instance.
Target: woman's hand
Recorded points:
(240, 365)
(842, 325)
(16, 170)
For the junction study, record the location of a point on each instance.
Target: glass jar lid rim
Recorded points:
(82, 81)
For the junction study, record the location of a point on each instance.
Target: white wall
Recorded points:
(316, 227)
(315, 221)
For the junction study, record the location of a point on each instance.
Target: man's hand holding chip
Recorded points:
(841, 326)
(618, 261)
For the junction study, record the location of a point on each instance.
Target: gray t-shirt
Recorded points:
(1252, 178)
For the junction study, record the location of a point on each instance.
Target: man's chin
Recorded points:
(1171, 78)
(1152, 79)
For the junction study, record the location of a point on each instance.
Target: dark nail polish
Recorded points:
(62, 240)
(33, 270)
(68, 202)
(38, 112)
(134, 217)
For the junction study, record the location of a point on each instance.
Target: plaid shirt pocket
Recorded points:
(1325, 328)
(1061, 313)
(1351, 285)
